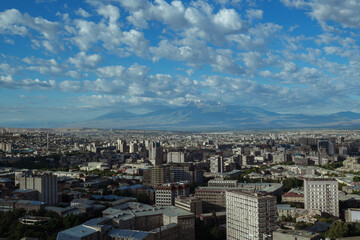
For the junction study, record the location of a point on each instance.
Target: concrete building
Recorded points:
(133, 220)
(165, 194)
(295, 235)
(121, 146)
(175, 157)
(352, 215)
(223, 183)
(160, 175)
(322, 194)
(46, 185)
(191, 204)
(133, 147)
(217, 164)
(294, 195)
(156, 154)
(250, 215)
(212, 198)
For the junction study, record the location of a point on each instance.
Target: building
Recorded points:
(322, 194)
(8, 148)
(156, 154)
(223, 183)
(294, 195)
(186, 172)
(121, 146)
(46, 185)
(191, 204)
(165, 194)
(175, 157)
(212, 198)
(250, 215)
(160, 175)
(295, 235)
(352, 215)
(133, 147)
(133, 220)
(217, 164)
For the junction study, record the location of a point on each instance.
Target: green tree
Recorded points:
(338, 229)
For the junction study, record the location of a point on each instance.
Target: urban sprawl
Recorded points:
(132, 184)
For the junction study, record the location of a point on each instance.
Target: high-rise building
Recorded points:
(156, 154)
(2, 146)
(8, 148)
(133, 147)
(121, 146)
(250, 215)
(160, 175)
(46, 185)
(216, 164)
(322, 194)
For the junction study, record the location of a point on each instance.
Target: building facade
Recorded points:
(46, 185)
(250, 215)
(322, 194)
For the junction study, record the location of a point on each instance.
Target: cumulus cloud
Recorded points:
(83, 60)
(345, 13)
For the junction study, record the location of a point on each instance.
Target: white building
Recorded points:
(322, 194)
(165, 194)
(250, 215)
(176, 157)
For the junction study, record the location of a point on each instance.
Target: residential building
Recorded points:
(191, 204)
(322, 194)
(46, 185)
(165, 194)
(160, 175)
(175, 157)
(250, 215)
(223, 183)
(352, 215)
(217, 164)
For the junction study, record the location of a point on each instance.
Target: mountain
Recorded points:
(194, 117)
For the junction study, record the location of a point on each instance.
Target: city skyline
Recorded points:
(66, 61)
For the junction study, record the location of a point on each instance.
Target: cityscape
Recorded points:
(179, 120)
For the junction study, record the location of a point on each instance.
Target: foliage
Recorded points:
(333, 165)
(143, 198)
(290, 183)
(11, 228)
(356, 179)
(302, 225)
(209, 231)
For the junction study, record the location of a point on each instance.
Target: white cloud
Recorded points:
(81, 12)
(83, 61)
(344, 12)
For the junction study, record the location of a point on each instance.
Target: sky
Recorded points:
(68, 61)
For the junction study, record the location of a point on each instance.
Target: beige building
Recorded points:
(191, 204)
(46, 185)
(250, 215)
(165, 194)
(322, 194)
(160, 175)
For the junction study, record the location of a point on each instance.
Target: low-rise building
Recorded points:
(191, 204)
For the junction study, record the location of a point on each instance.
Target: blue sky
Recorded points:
(68, 61)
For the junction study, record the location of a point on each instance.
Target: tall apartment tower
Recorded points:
(156, 154)
(46, 185)
(121, 146)
(160, 175)
(250, 215)
(322, 194)
(217, 164)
